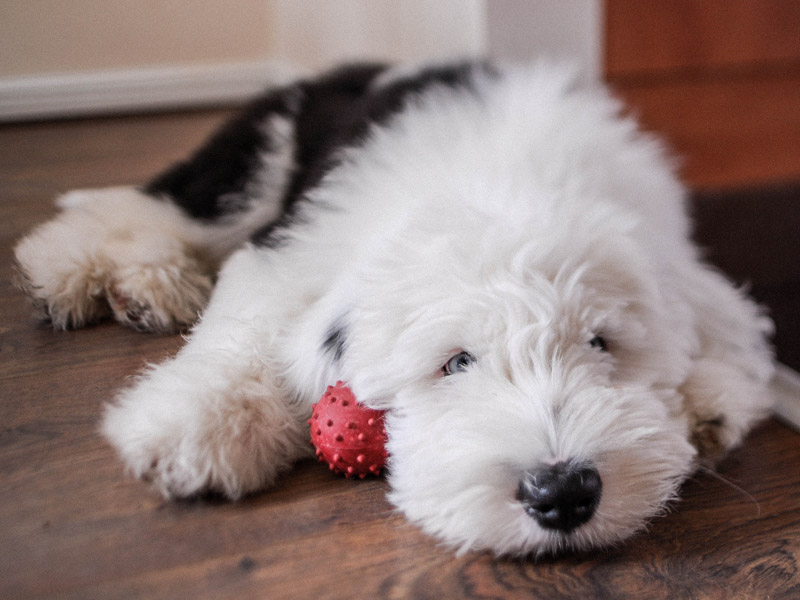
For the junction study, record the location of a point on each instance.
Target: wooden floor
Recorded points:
(73, 526)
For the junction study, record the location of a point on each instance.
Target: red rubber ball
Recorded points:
(348, 436)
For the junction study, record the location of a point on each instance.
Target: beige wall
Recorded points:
(74, 57)
(66, 36)
(50, 36)
(73, 36)
(318, 33)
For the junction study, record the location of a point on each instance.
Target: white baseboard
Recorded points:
(106, 92)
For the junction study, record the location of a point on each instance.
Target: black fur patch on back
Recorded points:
(328, 117)
(226, 162)
(329, 113)
(336, 112)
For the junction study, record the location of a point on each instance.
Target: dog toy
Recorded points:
(347, 435)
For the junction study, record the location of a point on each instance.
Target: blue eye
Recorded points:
(458, 363)
(599, 342)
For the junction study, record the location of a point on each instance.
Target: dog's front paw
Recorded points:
(173, 475)
(186, 430)
(709, 437)
(158, 444)
(179, 468)
(722, 403)
(179, 459)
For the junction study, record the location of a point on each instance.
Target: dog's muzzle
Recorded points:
(561, 497)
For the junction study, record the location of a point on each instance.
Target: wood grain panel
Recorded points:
(726, 132)
(644, 37)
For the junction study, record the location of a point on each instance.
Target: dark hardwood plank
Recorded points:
(752, 234)
(73, 526)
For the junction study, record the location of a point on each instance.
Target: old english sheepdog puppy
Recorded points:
(492, 254)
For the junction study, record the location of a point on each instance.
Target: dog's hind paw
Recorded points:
(64, 289)
(112, 252)
(161, 298)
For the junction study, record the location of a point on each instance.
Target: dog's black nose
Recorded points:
(561, 496)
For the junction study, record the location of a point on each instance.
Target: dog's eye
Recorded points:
(458, 363)
(599, 342)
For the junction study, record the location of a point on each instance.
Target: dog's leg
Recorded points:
(725, 391)
(149, 256)
(220, 416)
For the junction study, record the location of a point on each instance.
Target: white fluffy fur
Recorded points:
(516, 224)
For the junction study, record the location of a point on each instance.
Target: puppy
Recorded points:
(494, 255)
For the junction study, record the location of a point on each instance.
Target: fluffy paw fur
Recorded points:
(720, 415)
(97, 258)
(189, 428)
(158, 297)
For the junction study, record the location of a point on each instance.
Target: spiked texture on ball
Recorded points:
(347, 435)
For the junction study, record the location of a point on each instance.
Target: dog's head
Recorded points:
(531, 373)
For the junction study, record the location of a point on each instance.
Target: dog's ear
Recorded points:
(383, 358)
(620, 268)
